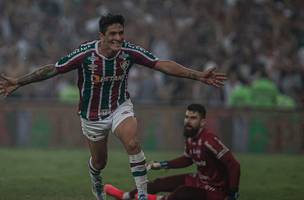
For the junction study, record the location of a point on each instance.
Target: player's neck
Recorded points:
(199, 132)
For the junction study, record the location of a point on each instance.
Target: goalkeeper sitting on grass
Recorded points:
(218, 172)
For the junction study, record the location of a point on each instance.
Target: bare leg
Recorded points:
(164, 184)
(127, 133)
(96, 163)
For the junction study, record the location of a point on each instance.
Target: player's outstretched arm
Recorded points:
(8, 84)
(179, 162)
(209, 77)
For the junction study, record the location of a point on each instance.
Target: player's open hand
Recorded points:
(154, 165)
(7, 85)
(211, 77)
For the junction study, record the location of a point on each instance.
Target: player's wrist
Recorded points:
(164, 164)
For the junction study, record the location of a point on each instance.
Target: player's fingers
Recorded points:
(221, 79)
(2, 76)
(211, 70)
(148, 167)
(217, 83)
(220, 74)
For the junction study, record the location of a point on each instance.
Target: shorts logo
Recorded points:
(125, 112)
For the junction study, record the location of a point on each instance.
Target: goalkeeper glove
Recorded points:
(233, 195)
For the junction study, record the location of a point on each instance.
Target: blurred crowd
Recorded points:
(242, 38)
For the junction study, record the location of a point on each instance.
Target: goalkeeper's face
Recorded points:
(193, 122)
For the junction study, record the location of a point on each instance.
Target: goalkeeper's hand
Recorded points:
(154, 165)
(232, 196)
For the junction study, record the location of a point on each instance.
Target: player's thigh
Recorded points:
(126, 131)
(166, 184)
(186, 193)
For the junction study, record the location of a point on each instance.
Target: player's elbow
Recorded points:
(165, 66)
(237, 166)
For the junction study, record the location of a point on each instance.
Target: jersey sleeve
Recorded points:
(214, 145)
(140, 55)
(71, 61)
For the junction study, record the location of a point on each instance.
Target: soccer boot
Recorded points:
(113, 191)
(97, 188)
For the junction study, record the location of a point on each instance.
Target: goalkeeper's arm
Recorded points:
(180, 162)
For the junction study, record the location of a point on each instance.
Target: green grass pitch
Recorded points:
(62, 174)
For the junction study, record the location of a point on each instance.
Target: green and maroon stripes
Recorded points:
(95, 101)
(106, 88)
(86, 92)
(102, 81)
(115, 85)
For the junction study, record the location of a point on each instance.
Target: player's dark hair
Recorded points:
(197, 108)
(109, 19)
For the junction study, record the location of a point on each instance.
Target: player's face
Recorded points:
(192, 123)
(113, 37)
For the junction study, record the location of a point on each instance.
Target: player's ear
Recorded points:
(203, 122)
(101, 35)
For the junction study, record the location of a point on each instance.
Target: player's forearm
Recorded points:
(174, 69)
(180, 162)
(40, 74)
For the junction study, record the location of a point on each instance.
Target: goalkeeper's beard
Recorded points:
(190, 132)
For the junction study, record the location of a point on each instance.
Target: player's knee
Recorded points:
(100, 163)
(133, 147)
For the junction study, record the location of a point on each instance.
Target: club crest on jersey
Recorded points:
(124, 65)
(124, 56)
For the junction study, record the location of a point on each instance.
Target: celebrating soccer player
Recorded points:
(103, 66)
(218, 172)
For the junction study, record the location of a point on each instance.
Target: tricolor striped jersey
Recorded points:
(102, 81)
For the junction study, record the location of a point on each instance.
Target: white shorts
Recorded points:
(98, 130)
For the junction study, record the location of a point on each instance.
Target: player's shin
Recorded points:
(97, 183)
(139, 172)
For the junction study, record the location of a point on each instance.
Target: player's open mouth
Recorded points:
(188, 127)
(116, 43)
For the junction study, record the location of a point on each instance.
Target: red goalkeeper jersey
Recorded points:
(216, 165)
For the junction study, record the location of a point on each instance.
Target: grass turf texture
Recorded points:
(63, 175)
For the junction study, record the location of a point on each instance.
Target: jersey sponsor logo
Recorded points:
(77, 51)
(201, 163)
(92, 66)
(98, 79)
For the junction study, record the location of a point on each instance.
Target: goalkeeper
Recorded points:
(218, 172)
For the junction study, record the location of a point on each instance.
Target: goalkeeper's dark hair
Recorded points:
(197, 108)
(106, 20)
